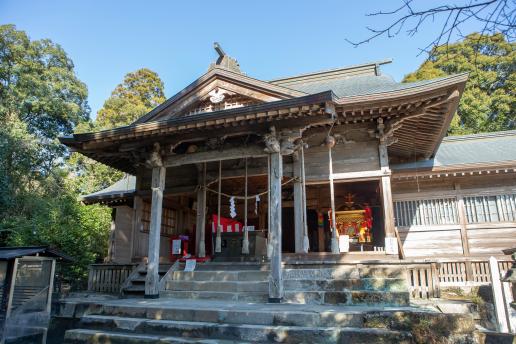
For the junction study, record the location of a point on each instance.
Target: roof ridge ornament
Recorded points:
(224, 60)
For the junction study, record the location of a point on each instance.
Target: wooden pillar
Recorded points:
(298, 205)
(158, 185)
(276, 278)
(388, 209)
(335, 247)
(137, 226)
(461, 213)
(112, 234)
(200, 223)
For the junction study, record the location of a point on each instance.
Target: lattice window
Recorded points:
(168, 219)
(426, 212)
(482, 209)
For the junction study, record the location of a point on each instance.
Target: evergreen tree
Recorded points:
(489, 100)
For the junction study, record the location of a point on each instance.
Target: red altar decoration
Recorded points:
(355, 223)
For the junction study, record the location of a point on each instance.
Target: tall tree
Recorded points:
(38, 86)
(489, 100)
(41, 98)
(139, 93)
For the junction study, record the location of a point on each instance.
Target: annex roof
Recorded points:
(496, 149)
(119, 190)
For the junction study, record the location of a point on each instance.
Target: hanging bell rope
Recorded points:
(218, 239)
(245, 242)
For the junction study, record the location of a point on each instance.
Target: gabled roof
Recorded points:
(496, 149)
(218, 72)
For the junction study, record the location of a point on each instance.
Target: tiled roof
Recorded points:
(489, 148)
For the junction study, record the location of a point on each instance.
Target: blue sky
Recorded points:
(270, 39)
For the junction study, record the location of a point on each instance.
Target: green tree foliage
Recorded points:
(140, 92)
(488, 102)
(40, 99)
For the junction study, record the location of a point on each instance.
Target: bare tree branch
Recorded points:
(495, 15)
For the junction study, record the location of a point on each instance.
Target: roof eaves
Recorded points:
(304, 100)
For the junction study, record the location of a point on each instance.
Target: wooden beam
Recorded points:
(152, 279)
(361, 175)
(254, 151)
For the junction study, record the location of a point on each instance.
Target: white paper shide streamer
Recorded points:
(232, 209)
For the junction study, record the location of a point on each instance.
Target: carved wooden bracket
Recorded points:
(155, 158)
(286, 142)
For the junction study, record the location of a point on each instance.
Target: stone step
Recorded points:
(246, 332)
(378, 271)
(230, 286)
(343, 272)
(353, 297)
(217, 295)
(163, 268)
(255, 316)
(381, 284)
(135, 289)
(223, 266)
(221, 276)
(82, 336)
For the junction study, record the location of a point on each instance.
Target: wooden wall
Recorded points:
(446, 240)
(123, 234)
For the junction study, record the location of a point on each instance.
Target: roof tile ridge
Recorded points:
(330, 70)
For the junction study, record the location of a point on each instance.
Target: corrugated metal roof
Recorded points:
(490, 148)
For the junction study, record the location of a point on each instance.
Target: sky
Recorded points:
(270, 39)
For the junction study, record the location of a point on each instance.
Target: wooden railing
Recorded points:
(108, 278)
(473, 271)
(425, 280)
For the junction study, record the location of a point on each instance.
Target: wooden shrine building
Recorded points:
(345, 161)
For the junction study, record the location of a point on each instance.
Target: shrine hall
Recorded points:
(340, 164)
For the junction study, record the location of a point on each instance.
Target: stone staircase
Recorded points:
(226, 302)
(209, 321)
(135, 284)
(313, 284)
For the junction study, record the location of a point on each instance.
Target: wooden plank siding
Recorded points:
(429, 224)
(491, 238)
(122, 236)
